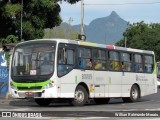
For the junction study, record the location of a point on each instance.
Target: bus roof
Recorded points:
(91, 44)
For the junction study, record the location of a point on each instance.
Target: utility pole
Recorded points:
(125, 38)
(21, 20)
(69, 27)
(83, 37)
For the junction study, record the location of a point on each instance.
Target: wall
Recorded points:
(4, 75)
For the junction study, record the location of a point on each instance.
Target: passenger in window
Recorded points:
(99, 66)
(115, 65)
(88, 63)
(81, 63)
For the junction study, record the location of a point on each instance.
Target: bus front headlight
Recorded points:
(50, 85)
(12, 86)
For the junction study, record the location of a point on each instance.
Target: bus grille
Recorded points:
(30, 88)
(35, 94)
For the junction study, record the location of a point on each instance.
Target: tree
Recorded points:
(37, 15)
(143, 36)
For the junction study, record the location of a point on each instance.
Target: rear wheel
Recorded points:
(43, 101)
(101, 100)
(80, 97)
(134, 94)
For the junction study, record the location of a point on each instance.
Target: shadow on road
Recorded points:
(32, 103)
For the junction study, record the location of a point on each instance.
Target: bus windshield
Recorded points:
(33, 60)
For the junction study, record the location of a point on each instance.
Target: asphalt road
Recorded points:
(148, 106)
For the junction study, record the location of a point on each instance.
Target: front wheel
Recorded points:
(43, 101)
(80, 97)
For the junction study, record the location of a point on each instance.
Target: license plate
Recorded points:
(29, 93)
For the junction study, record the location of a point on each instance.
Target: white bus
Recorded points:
(55, 69)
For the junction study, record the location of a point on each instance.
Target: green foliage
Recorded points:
(143, 36)
(9, 39)
(4, 42)
(37, 15)
(10, 10)
(69, 1)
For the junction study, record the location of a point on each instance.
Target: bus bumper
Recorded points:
(45, 93)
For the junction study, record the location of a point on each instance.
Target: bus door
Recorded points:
(127, 74)
(99, 66)
(65, 69)
(114, 76)
(100, 87)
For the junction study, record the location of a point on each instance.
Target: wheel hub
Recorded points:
(79, 96)
(135, 94)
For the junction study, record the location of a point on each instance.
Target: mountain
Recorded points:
(65, 31)
(106, 30)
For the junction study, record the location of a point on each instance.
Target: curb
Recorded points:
(7, 97)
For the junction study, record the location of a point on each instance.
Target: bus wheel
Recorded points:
(101, 100)
(43, 101)
(80, 97)
(134, 95)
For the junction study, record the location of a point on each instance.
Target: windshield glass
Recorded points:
(36, 59)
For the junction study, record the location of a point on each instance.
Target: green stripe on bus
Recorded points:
(155, 68)
(29, 85)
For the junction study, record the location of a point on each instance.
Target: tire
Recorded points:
(43, 101)
(134, 95)
(80, 97)
(101, 100)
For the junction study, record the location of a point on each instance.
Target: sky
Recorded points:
(132, 13)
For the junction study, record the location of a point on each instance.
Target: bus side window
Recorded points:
(138, 66)
(99, 59)
(84, 58)
(114, 60)
(148, 63)
(126, 61)
(65, 61)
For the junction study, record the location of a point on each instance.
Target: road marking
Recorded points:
(88, 118)
(17, 109)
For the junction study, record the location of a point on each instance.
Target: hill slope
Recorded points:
(107, 30)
